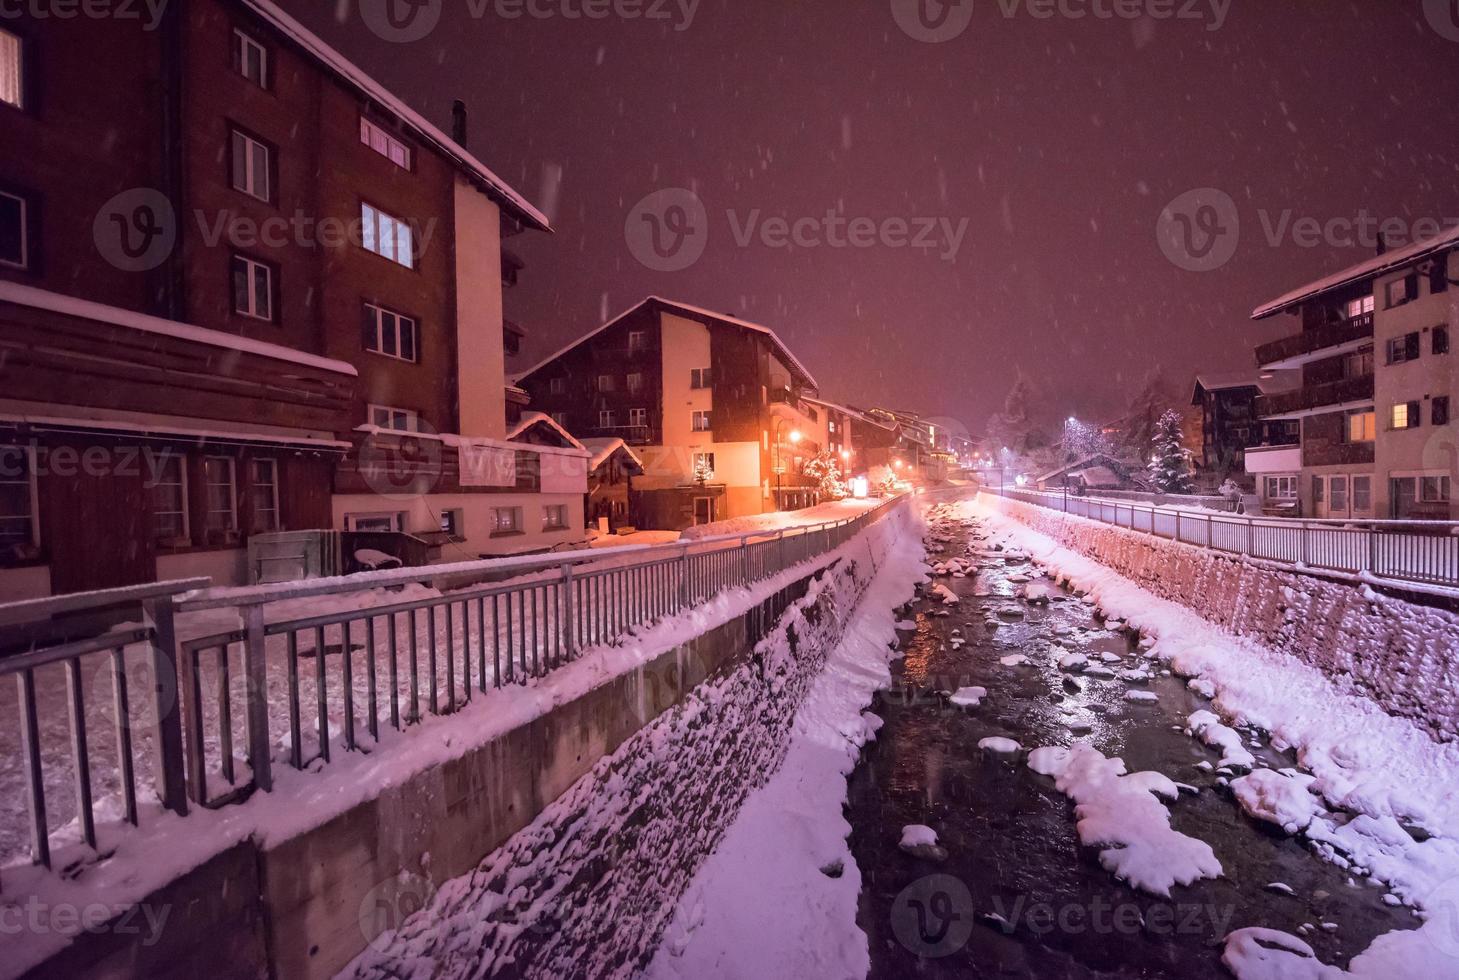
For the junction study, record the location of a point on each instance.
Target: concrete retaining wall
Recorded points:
(578, 831)
(1401, 654)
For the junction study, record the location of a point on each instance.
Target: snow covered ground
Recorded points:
(1373, 794)
(778, 897)
(839, 510)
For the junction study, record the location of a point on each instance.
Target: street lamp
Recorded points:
(795, 438)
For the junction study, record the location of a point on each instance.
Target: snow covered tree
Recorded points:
(1143, 413)
(703, 470)
(1170, 462)
(825, 468)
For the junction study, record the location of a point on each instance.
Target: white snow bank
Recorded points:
(1282, 798)
(1208, 728)
(1120, 813)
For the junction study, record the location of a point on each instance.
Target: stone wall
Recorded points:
(1400, 653)
(587, 889)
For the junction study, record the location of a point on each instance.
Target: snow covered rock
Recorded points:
(969, 697)
(1069, 661)
(921, 842)
(1207, 726)
(1000, 746)
(1279, 798)
(1142, 697)
(1015, 660)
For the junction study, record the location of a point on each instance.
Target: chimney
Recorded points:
(458, 122)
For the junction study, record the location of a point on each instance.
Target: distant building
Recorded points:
(1379, 382)
(717, 408)
(1230, 425)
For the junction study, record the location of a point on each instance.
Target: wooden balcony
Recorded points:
(1294, 350)
(1322, 453)
(1308, 400)
(89, 356)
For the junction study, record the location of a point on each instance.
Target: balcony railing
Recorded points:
(638, 435)
(1313, 397)
(1310, 341)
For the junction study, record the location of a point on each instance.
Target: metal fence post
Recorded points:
(171, 781)
(255, 670)
(684, 579)
(569, 613)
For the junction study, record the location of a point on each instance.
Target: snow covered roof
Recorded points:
(355, 77)
(163, 427)
(1277, 381)
(1372, 268)
(674, 306)
(604, 448)
(529, 419)
(1097, 460)
(41, 299)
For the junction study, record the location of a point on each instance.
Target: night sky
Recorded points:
(1060, 140)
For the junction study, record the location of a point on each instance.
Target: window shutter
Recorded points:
(1410, 288)
(1415, 416)
(1441, 340)
(1411, 346)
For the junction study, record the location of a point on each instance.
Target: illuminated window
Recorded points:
(1358, 307)
(253, 288)
(554, 517)
(384, 144)
(1406, 416)
(394, 419)
(1362, 426)
(387, 236)
(251, 167)
(12, 70)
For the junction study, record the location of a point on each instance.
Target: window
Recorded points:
(17, 497)
(1338, 486)
(638, 416)
(1407, 415)
(606, 382)
(1281, 488)
(635, 382)
(253, 288)
(1362, 426)
(1441, 340)
(554, 517)
(1401, 291)
(263, 495)
(221, 495)
(637, 340)
(1359, 307)
(1405, 348)
(702, 422)
(384, 144)
(453, 523)
(394, 419)
(1435, 489)
(607, 419)
(700, 378)
(1358, 364)
(387, 236)
(704, 461)
(557, 386)
(1362, 494)
(1439, 408)
(251, 167)
(378, 523)
(391, 334)
(506, 520)
(12, 69)
(168, 493)
(250, 58)
(14, 231)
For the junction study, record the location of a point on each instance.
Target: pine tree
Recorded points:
(1170, 462)
(827, 470)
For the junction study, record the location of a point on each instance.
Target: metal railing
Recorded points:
(1424, 552)
(316, 668)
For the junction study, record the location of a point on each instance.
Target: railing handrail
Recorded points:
(217, 598)
(32, 610)
(1356, 523)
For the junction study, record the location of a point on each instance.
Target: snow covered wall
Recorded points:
(1403, 655)
(588, 887)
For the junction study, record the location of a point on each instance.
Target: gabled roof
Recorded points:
(1095, 460)
(855, 413)
(686, 309)
(1278, 381)
(603, 449)
(531, 419)
(1372, 268)
(355, 77)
